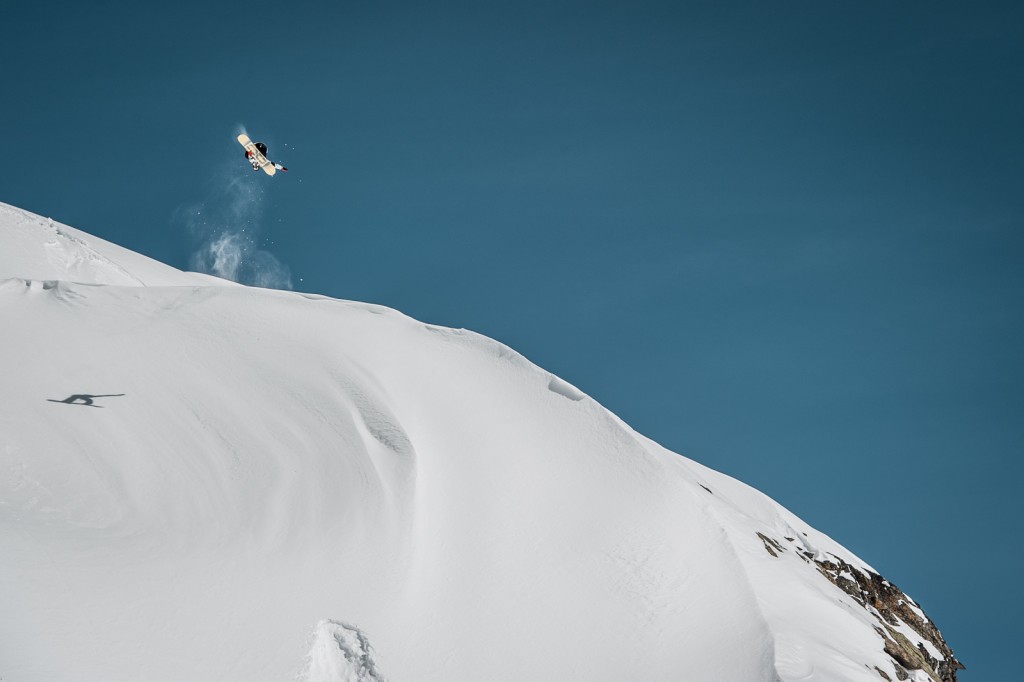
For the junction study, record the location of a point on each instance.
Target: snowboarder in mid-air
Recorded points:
(256, 154)
(255, 161)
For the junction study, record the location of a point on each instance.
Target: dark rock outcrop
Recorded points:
(894, 608)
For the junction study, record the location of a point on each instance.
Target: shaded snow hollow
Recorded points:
(205, 481)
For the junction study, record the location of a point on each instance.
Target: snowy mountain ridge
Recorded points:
(283, 486)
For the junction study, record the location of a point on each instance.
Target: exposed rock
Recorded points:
(894, 609)
(770, 543)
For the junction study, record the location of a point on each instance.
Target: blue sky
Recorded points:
(782, 239)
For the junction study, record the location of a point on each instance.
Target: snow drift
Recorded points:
(206, 481)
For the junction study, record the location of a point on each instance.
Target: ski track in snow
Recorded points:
(68, 253)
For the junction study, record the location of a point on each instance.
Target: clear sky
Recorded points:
(784, 239)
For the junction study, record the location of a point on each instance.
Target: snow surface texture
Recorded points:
(206, 481)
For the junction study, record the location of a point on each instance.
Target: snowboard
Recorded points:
(257, 156)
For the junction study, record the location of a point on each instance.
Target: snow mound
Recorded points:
(340, 653)
(191, 475)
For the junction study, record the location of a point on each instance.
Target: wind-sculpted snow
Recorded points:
(340, 653)
(39, 248)
(193, 476)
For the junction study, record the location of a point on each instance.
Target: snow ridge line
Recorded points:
(79, 251)
(70, 250)
(762, 619)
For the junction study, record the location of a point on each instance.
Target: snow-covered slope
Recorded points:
(275, 486)
(40, 249)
